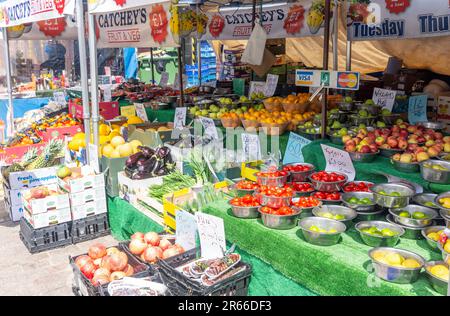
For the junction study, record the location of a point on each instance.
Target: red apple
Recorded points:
(380, 140)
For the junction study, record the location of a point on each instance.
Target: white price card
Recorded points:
(293, 153)
(271, 85)
(338, 161)
(180, 118)
(140, 111)
(212, 235)
(59, 97)
(107, 93)
(93, 157)
(256, 87)
(384, 98)
(164, 79)
(210, 127)
(251, 148)
(417, 109)
(186, 232)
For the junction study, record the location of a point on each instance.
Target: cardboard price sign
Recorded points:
(209, 126)
(164, 79)
(417, 109)
(59, 97)
(212, 235)
(256, 87)
(180, 118)
(293, 153)
(140, 111)
(251, 147)
(186, 233)
(338, 161)
(384, 98)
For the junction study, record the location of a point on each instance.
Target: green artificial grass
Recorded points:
(125, 220)
(342, 269)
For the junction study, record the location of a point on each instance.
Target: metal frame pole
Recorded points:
(199, 53)
(326, 49)
(152, 65)
(10, 113)
(336, 35)
(348, 58)
(180, 75)
(83, 72)
(94, 79)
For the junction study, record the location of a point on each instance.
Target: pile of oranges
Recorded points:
(277, 117)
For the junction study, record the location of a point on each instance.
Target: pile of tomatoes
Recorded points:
(297, 168)
(245, 201)
(273, 174)
(328, 196)
(323, 176)
(246, 185)
(285, 191)
(306, 202)
(302, 187)
(284, 210)
(357, 187)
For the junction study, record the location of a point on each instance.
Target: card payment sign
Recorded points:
(348, 80)
(304, 78)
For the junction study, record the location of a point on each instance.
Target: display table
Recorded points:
(342, 269)
(125, 220)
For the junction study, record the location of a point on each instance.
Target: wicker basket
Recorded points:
(295, 107)
(273, 106)
(251, 125)
(230, 122)
(274, 129)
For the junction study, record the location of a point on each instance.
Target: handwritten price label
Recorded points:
(140, 111)
(180, 118)
(271, 85)
(293, 153)
(417, 109)
(186, 232)
(384, 98)
(338, 161)
(210, 127)
(251, 147)
(212, 235)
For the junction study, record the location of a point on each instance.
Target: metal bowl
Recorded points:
(432, 229)
(438, 198)
(445, 254)
(241, 192)
(272, 181)
(275, 201)
(301, 176)
(424, 198)
(405, 192)
(411, 167)
(356, 120)
(337, 140)
(349, 214)
(359, 207)
(389, 152)
(445, 214)
(328, 186)
(315, 136)
(367, 217)
(379, 241)
(363, 157)
(345, 106)
(438, 284)
(331, 202)
(358, 182)
(321, 239)
(390, 119)
(411, 222)
(397, 274)
(444, 157)
(373, 109)
(245, 211)
(281, 222)
(437, 126)
(410, 232)
(433, 175)
(303, 210)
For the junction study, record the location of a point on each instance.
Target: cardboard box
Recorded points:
(33, 178)
(47, 204)
(15, 211)
(89, 209)
(130, 190)
(53, 217)
(88, 181)
(86, 196)
(15, 154)
(14, 197)
(150, 138)
(108, 110)
(111, 167)
(60, 132)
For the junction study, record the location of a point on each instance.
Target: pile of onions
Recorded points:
(151, 248)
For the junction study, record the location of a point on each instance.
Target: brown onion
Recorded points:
(165, 244)
(82, 260)
(118, 261)
(97, 251)
(153, 254)
(137, 246)
(117, 275)
(152, 238)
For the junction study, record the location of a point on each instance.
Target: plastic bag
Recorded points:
(254, 52)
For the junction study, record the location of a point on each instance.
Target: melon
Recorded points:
(125, 150)
(115, 154)
(135, 144)
(117, 141)
(107, 150)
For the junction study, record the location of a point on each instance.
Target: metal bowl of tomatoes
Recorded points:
(358, 186)
(275, 197)
(328, 181)
(328, 198)
(245, 207)
(302, 188)
(244, 187)
(282, 218)
(273, 179)
(305, 205)
(299, 172)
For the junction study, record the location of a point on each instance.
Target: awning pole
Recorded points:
(83, 72)
(152, 65)
(348, 58)
(180, 75)
(94, 79)
(336, 35)
(199, 53)
(326, 49)
(10, 114)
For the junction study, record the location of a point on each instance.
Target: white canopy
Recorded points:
(104, 6)
(17, 12)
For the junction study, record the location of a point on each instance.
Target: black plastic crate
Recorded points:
(38, 240)
(82, 286)
(180, 285)
(154, 278)
(89, 228)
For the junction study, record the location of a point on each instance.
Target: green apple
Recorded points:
(363, 113)
(385, 112)
(381, 124)
(369, 102)
(348, 99)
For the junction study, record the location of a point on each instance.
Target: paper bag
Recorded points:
(253, 53)
(268, 60)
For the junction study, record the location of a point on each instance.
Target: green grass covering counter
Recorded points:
(342, 269)
(125, 220)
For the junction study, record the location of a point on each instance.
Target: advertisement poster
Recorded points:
(397, 19)
(64, 28)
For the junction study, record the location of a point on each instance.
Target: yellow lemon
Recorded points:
(440, 271)
(411, 264)
(117, 141)
(79, 136)
(125, 150)
(104, 130)
(135, 144)
(103, 139)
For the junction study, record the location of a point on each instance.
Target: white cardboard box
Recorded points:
(15, 211)
(49, 218)
(84, 183)
(89, 195)
(34, 178)
(49, 203)
(130, 190)
(89, 209)
(14, 197)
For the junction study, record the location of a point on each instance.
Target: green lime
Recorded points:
(339, 217)
(382, 192)
(353, 200)
(366, 201)
(314, 229)
(419, 215)
(387, 232)
(395, 194)
(404, 214)
(430, 204)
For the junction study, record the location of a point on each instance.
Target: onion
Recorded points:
(100, 280)
(97, 251)
(164, 244)
(106, 263)
(129, 271)
(152, 238)
(118, 261)
(137, 236)
(112, 250)
(137, 246)
(82, 260)
(152, 254)
(180, 249)
(88, 269)
(172, 251)
(98, 262)
(117, 275)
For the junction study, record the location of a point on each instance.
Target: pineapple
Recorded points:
(48, 155)
(28, 158)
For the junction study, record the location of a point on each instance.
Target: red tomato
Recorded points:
(305, 201)
(335, 196)
(246, 185)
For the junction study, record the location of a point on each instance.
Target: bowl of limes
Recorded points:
(379, 233)
(338, 213)
(414, 215)
(359, 201)
(392, 195)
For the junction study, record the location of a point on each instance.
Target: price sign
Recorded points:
(212, 235)
(210, 127)
(271, 85)
(186, 232)
(180, 118)
(107, 93)
(338, 161)
(293, 153)
(128, 110)
(108, 71)
(93, 157)
(251, 147)
(59, 97)
(164, 79)
(140, 111)
(417, 109)
(256, 87)
(384, 98)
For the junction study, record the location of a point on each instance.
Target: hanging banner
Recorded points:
(64, 28)
(397, 19)
(104, 6)
(138, 27)
(280, 20)
(17, 12)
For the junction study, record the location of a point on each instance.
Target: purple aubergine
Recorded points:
(133, 159)
(162, 152)
(147, 151)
